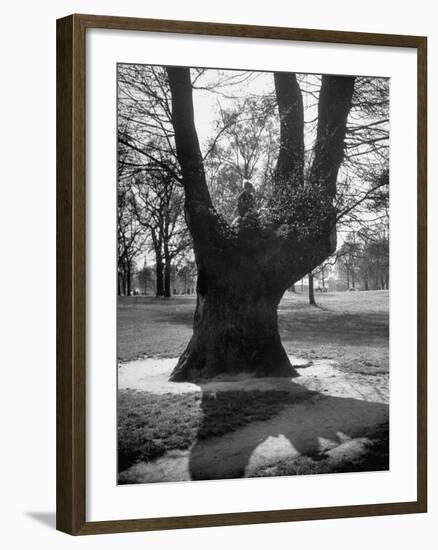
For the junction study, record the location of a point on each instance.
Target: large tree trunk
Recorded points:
(235, 329)
(244, 269)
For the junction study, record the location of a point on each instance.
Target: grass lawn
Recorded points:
(149, 425)
(374, 458)
(349, 327)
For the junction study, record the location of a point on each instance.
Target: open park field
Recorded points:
(332, 418)
(349, 327)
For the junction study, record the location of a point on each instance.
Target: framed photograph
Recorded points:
(241, 274)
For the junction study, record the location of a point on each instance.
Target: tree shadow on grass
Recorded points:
(308, 424)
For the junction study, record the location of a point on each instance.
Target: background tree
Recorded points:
(186, 271)
(158, 208)
(145, 278)
(149, 168)
(374, 264)
(348, 258)
(130, 242)
(312, 301)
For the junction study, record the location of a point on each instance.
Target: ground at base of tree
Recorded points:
(349, 327)
(324, 421)
(332, 418)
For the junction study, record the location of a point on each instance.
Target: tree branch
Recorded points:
(290, 163)
(334, 105)
(206, 226)
(186, 138)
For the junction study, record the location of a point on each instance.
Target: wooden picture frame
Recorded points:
(71, 273)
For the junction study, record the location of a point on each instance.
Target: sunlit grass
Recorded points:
(351, 328)
(150, 425)
(374, 458)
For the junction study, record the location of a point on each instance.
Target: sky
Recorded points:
(206, 103)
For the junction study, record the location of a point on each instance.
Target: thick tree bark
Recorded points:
(290, 163)
(235, 328)
(244, 270)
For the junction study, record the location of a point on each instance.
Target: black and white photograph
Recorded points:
(217, 293)
(253, 233)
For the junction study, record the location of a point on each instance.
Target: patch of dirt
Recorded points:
(152, 375)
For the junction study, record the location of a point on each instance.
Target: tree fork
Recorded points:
(242, 275)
